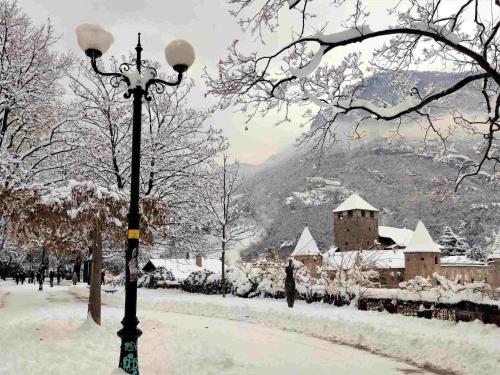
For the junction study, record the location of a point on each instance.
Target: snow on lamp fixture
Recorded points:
(180, 55)
(93, 39)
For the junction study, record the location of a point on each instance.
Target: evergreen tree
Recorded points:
(478, 253)
(452, 243)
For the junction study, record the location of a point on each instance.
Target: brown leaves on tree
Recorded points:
(62, 219)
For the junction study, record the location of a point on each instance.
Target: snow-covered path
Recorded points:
(46, 332)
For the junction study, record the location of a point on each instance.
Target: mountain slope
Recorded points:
(401, 181)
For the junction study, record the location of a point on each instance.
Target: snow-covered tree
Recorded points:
(229, 206)
(64, 220)
(308, 74)
(452, 243)
(177, 146)
(478, 252)
(32, 112)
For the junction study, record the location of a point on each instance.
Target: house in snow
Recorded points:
(399, 254)
(181, 268)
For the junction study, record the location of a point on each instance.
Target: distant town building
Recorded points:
(399, 254)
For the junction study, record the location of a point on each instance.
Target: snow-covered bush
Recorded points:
(159, 278)
(264, 277)
(417, 284)
(206, 282)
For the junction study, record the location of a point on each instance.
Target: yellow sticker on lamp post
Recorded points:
(134, 233)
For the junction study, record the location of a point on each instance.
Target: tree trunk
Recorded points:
(95, 276)
(4, 124)
(223, 279)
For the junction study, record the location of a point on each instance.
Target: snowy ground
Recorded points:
(46, 332)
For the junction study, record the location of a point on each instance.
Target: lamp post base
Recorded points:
(129, 334)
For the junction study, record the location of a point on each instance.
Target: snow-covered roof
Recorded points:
(354, 202)
(306, 245)
(495, 248)
(459, 260)
(181, 268)
(399, 236)
(421, 241)
(378, 258)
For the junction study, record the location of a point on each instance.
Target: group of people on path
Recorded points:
(39, 276)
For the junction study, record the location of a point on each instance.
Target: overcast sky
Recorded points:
(207, 25)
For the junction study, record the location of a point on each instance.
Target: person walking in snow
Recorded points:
(22, 277)
(102, 277)
(58, 277)
(51, 277)
(17, 278)
(39, 279)
(74, 278)
(289, 284)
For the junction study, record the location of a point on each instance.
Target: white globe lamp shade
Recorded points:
(92, 37)
(180, 55)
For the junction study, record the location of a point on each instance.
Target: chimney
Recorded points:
(199, 261)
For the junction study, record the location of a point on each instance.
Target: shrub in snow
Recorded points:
(206, 282)
(264, 277)
(159, 278)
(417, 284)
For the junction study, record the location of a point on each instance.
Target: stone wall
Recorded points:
(312, 262)
(391, 277)
(470, 273)
(355, 229)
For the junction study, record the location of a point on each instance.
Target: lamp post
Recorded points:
(95, 41)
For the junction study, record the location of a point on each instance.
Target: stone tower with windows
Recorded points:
(422, 255)
(355, 225)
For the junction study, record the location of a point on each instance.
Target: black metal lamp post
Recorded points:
(95, 41)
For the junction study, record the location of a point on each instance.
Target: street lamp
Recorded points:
(95, 41)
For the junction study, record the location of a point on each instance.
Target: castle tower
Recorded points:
(355, 224)
(307, 252)
(422, 255)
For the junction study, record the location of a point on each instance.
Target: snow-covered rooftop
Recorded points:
(355, 202)
(306, 245)
(181, 268)
(421, 241)
(377, 258)
(399, 236)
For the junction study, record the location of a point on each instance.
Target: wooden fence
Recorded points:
(463, 311)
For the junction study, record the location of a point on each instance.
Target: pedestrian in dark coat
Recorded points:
(289, 284)
(17, 278)
(102, 277)
(39, 279)
(58, 277)
(51, 277)
(23, 277)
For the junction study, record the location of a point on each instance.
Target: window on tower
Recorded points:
(363, 213)
(349, 213)
(372, 214)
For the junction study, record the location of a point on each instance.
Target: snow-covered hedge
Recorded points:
(159, 278)
(205, 282)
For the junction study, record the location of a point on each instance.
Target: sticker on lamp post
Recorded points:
(134, 233)
(133, 266)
